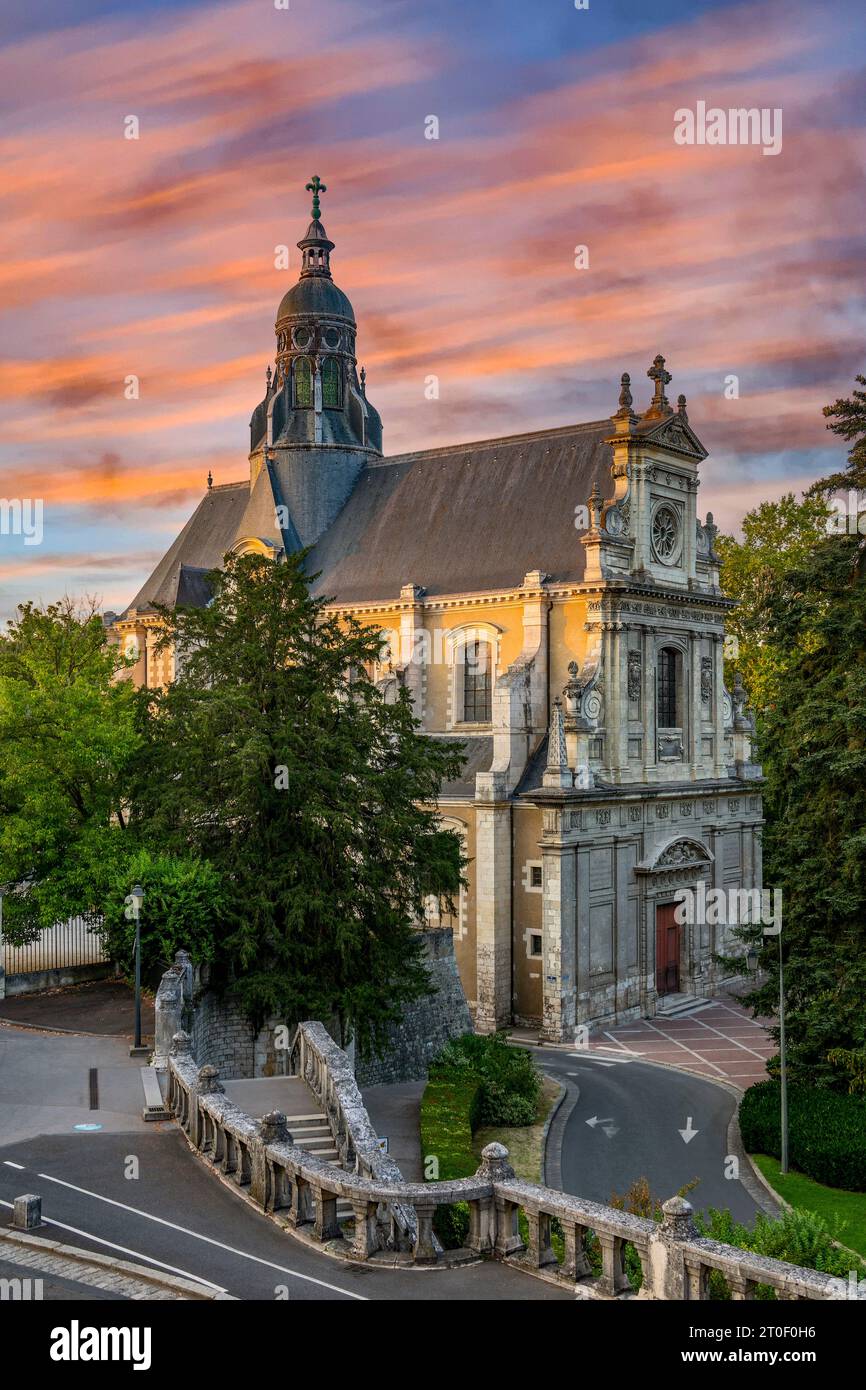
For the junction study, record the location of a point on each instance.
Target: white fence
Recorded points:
(57, 948)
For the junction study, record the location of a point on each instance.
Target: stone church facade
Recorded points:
(550, 600)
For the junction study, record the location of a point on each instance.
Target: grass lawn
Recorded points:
(830, 1202)
(524, 1143)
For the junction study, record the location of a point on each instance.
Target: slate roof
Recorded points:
(467, 518)
(478, 753)
(200, 547)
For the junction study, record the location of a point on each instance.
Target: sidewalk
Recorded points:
(102, 1007)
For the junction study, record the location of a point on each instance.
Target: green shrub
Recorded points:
(510, 1083)
(799, 1237)
(826, 1132)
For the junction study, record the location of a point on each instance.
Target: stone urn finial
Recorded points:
(208, 1081)
(678, 1219)
(181, 1045)
(494, 1163)
(274, 1128)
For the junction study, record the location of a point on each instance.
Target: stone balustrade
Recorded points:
(326, 1068)
(302, 1191)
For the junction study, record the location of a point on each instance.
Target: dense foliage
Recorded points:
(510, 1086)
(274, 807)
(69, 732)
(802, 621)
(827, 1132)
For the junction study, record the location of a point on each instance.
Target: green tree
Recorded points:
(776, 537)
(274, 758)
(813, 749)
(69, 731)
(848, 420)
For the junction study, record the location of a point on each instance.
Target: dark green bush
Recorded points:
(826, 1132)
(510, 1083)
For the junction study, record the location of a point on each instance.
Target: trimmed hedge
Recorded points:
(826, 1132)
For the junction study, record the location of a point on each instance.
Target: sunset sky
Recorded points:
(155, 257)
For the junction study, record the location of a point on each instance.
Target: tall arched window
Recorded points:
(303, 381)
(477, 690)
(667, 702)
(330, 383)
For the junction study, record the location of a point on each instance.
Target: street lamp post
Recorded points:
(132, 912)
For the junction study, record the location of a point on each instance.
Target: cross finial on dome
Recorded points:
(315, 186)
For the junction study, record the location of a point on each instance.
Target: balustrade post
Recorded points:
(697, 1279)
(613, 1276)
(508, 1241)
(575, 1263)
(366, 1241)
(540, 1249)
(482, 1226)
(325, 1225)
(300, 1212)
(424, 1249)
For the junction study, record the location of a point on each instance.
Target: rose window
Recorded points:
(665, 535)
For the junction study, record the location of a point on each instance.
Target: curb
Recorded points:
(142, 1273)
(551, 1116)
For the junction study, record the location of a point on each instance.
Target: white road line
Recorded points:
(124, 1250)
(9, 1164)
(184, 1230)
(696, 1055)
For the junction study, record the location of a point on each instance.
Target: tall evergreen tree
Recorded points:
(274, 757)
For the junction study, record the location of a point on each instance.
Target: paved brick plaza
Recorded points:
(721, 1040)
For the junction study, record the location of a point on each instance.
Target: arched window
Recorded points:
(477, 690)
(330, 383)
(303, 381)
(667, 702)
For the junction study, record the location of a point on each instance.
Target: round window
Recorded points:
(332, 337)
(302, 337)
(666, 535)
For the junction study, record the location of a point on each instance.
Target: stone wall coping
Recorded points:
(536, 1199)
(760, 1269)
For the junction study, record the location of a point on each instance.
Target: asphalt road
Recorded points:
(175, 1213)
(626, 1125)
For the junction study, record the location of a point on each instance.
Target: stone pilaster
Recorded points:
(492, 902)
(559, 979)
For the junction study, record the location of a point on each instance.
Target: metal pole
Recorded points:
(784, 1067)
(137, 979)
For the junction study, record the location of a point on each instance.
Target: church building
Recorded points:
(550, 600)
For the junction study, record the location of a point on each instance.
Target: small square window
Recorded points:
(535, 876)
(535, 944)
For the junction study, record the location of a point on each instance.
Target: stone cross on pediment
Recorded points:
(660, 403)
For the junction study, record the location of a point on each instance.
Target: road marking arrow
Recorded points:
(688, 1133)
(596, 1121)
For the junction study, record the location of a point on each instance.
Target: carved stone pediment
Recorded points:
(682, 852)
(675, 433)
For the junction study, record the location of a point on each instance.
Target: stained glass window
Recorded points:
(303, 381)
(330, 383)
(476, 683)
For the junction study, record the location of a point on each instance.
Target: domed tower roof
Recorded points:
(316, 396)
(315, 292)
